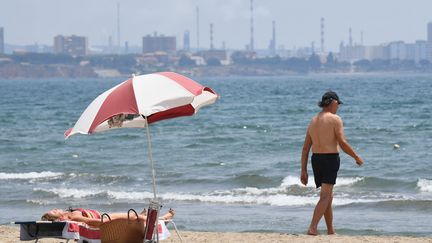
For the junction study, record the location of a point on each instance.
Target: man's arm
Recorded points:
(343, 143)
(304, 158)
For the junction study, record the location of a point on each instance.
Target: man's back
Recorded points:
(322, 131)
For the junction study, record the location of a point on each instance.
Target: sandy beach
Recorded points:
(10, 234)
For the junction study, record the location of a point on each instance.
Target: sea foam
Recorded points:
(70, 192)
(29, 175)
(230, 197)
(424, 185)
(341, 181)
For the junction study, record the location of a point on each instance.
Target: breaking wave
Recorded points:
(283, 195)
(237, 196)
(30, 175)
(342, 181)
(424, 185)
(70, 192)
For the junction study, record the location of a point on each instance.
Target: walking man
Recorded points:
(325, 135)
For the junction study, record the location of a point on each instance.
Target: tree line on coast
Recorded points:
(62, 65)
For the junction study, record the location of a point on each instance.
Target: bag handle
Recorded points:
(136, 214)
(102, 217)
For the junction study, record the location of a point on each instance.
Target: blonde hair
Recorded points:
(48, 217)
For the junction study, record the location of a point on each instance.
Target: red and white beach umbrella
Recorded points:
(141, 99)
(154, 97)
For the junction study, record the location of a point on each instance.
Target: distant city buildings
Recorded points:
(72, 45)
(375, 52)
(418, 51)
(219, 55)
(429, 42)
(394, 50)
(2, 51)
(397, 50)
(159, 43)
(429, 32)
(350, 52)
(408, 51)
(163, 49)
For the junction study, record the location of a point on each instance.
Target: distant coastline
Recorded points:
(15, 71)
(45, 65)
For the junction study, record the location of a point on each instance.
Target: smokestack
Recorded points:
(186, 41)
(211, 37)
(118, 26)
(252, 27)
(322, 35)
(350, 37)
(110, 42)
(197, 26)
(274, 35)
(272, 46)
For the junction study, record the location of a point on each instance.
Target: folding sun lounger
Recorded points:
(68, 230)
(35, 230)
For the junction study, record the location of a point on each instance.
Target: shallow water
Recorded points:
(235, 165)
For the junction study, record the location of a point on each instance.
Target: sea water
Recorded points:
(235, 165)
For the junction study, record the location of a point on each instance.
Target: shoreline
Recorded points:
(10, 234)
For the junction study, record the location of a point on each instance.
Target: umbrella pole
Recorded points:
(150, 156)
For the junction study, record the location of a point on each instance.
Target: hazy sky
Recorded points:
(297, 22)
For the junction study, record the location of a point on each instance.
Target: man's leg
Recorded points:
(328, 216)
(321, 207)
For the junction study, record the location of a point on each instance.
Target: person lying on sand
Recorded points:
(93, 217)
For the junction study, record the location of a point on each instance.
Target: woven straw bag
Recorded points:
(122, 230)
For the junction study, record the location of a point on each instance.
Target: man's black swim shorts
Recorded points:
(325, 168)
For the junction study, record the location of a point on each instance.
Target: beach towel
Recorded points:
(81, 232)
(163, 230)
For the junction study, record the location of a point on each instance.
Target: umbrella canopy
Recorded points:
(153, 97)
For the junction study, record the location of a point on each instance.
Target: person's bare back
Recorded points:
(322, 130)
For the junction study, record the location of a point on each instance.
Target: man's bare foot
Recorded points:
(331, 232)
(312, 232)
(168, 216)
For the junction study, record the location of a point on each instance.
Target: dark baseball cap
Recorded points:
(329, 96)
